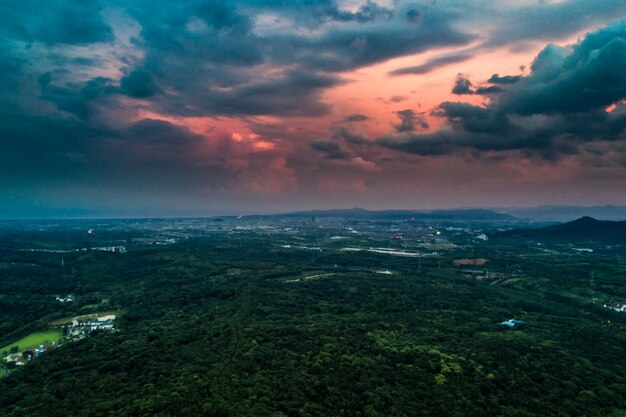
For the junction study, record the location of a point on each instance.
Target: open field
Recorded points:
(65, 320)
(35, 339)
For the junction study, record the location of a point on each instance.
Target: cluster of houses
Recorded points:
(617, 307)
(114, 249)
(79, 329)
(67, 299)
(17, 358)
(20, 358)
(41, 349)
(512, 323)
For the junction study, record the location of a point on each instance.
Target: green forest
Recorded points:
(242, 326)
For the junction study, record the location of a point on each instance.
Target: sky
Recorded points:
(209, 107)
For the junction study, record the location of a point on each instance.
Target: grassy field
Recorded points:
(35, 339)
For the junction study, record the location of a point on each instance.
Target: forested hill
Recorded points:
(583, 229)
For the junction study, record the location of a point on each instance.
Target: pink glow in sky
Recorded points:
(255, 106)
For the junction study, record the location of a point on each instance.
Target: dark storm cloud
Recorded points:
(519, 25)
(77, 99)
(551, 112)
(397, 99)
(314, 12)
(73, 74)
(295, 93)
(197, 58)
(52, 22)
(462, 85)
(148, 153)
(413, 15)
(138, 84)
(547, 21)
(330, 148)
(206, 58)
(39, 148)
(349, 136)
(368, 12)
(488, 89)
(506, 79)
(410, 121)
(341, 144)
(432, 64)
(349, 48)
(356, 118)
(159, 132)
(590, 77)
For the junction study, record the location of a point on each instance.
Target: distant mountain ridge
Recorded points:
(583, 229)
(538, 214)
(456, 215)
(566, 213)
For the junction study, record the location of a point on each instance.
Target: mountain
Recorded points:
(567, 213)
(584, 229)
(457, 215)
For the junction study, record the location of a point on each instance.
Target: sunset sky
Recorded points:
(165, 108)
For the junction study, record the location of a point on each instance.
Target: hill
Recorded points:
(567, 213)
(583, 229)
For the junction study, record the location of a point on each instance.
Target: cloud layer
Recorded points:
(554, 111)
(258, 105)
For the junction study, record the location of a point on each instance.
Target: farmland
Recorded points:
(40, 337)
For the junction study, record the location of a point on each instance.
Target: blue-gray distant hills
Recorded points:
(456, 215)
(583, 229)
(566, 213)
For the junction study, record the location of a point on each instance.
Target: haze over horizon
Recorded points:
(147, 109)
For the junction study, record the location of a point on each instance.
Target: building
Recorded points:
(512, 323)
(621, 307)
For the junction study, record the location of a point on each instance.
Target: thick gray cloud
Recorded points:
(506, 79)
(413, 15)
(77, 99)
(356, 118)
(462, 85)
(295, 93)
(348, 135)
(519, 26)
(368, 12)
(549, 21)
(315, 12)
(488, 89)
(410, 121)
(72, 22)
(138, 84)
(588, 78)
(351, 47)
(432, 64)
(77, 78)
(397, 99)
(551, 112)
(211, 57)
(330, 148)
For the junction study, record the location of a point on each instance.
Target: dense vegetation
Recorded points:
(229, 326)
